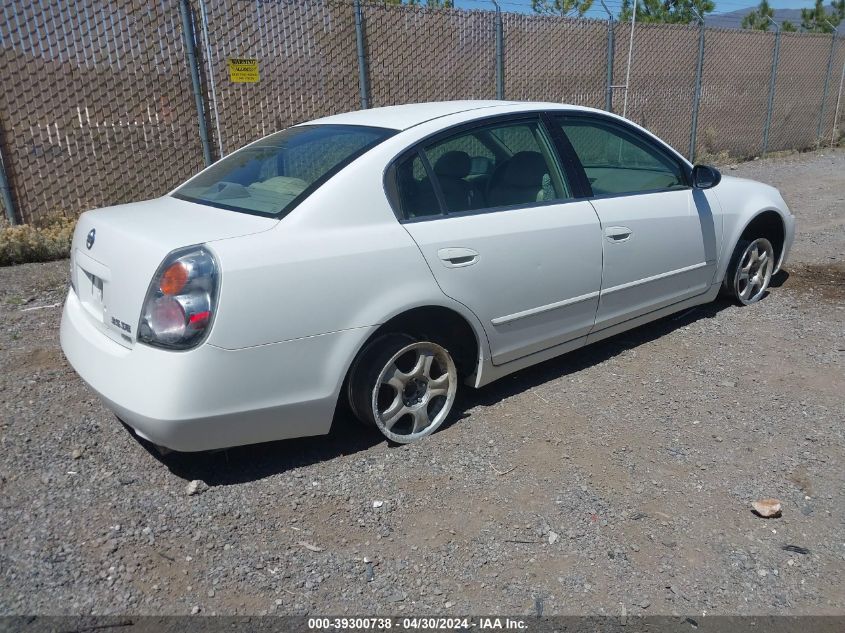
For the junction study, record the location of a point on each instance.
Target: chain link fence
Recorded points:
(734, 92)
(103, 102)
(555, 59)
(415, 54)
(96, 106)
(307, 65)
(662, 81)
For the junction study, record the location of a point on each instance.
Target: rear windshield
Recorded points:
(275, 174)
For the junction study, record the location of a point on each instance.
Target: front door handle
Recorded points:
(617, 233)
(457, 257)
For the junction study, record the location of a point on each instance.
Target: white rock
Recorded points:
(553, 537)
(767, 508)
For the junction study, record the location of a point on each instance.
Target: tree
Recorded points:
(672, 11)
(818, 20)
(758, 19)
(561, 7)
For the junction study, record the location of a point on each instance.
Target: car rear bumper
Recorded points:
(209, 397)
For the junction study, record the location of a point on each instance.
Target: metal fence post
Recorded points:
(826, 87)
(772, 82)
(209, 60)
(833, 134)
(363, 85)
(611, 45)
(500, 53)
(6, 191)
(189, 38)
(696, 101)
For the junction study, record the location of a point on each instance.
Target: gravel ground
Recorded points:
(617, 477)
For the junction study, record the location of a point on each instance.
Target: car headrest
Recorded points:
(525, 169)
(453, 165)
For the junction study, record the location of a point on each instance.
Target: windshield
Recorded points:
(275, 174)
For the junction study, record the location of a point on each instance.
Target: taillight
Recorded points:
(181, 301)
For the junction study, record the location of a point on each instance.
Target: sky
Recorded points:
(722, 6)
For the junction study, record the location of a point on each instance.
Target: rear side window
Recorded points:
(275, 174)
(416, 192)
(499, 165)
(618, 161)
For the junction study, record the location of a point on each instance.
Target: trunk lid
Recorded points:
(128, 243)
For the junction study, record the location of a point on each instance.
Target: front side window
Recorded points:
(618, 161)
(272, 176)
(499, 165)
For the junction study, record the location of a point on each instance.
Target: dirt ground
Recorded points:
(615, 479)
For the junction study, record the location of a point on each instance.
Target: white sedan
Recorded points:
(382, 258)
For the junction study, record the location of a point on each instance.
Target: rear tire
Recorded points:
(750, 270)
(404, 386)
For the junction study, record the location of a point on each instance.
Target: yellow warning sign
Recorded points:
(243, 70)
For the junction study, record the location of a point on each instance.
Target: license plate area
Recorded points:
(93, 288)
(91, 292)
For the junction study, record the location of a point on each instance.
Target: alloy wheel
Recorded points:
(414, 391)
(754, 271)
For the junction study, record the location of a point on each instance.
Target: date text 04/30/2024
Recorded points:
(420, 623)
(417, 623)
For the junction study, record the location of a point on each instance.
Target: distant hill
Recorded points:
(733, 19)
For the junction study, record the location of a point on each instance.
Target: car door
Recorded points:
(658, 239)
(495, 217)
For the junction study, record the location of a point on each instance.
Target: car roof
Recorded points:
(402, 117)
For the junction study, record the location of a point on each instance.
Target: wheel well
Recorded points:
(441, 324)
(769, 225)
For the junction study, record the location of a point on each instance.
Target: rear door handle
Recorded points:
(457, 257)
(617, 233)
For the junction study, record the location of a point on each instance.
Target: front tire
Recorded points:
(750, 271)
(404, 386)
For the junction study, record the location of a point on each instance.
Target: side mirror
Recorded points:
(705, 176)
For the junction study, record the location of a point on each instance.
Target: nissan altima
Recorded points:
(382, 259)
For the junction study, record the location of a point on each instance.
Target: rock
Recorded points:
(553, 537)
(76, 453)
(195, 610)
(767, 508)
(310, 547)
(377, 504)
(195, 487)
